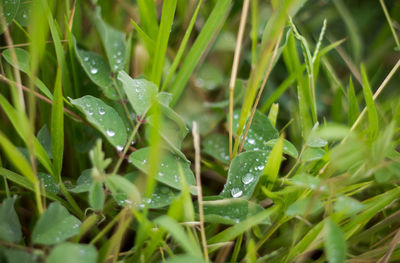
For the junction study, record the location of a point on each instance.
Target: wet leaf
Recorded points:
(55, 225)
(288, 147)
(69, 252)
(209, 77)
(104, 118)
(84, 182)
(49, 183)
(9, 10)
(140, 92)
(123, 191)
(168, 172)
(24, 13)
(244, 173)
(306, 181)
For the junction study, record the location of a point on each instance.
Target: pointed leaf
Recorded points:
(312, 154)
(96, 196)
(140, 92)
(335, 243)
(244, 173)
(104, 118)
(84, 182)
(55, 225)
(288, 147)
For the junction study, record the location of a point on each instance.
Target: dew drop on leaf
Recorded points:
(248, 178)
(236, 192)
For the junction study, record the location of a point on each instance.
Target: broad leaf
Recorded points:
(244, 173)
(55, 225)
(140, 92)
(19, 256)
(98, 71)
(10, 228)
(113, 42)
(9, 10)
(124, 192)
(104, 118)
(217, 146)
(84, 182)
(261, 131)
(49, 183)
(312, 154)
(288, 147)
(335, 243)
(306, 181)
(209, 77)
(69, 252)
(347, 205)
(169, 170)
(24, 13)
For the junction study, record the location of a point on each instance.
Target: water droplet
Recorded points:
(102, 111)
(251, 141)
(93, 70)
(120, 148)
(118, 61)
(164, 190)
(119, 53)
(110, 133)
(236, 192)
(248, 178)
(86, 58)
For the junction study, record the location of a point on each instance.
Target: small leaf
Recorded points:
(49, 183)
(10, 228)
(244, 173)
(140, 92)
(261, 131)
(96, 196)
(113, 42)
(69, 252)
(217, 146)
(55, 225)
(306, 181)
(84, 182)
(230, 211)
(104, 118)
(305, 206)
(98, 71)
(123, 191)
(347, 205)
(312, 154)
(209, 77)
(9, 10)
(288, 147)
(315, 142)
(168, 172)
(335, 243)
(23, 59)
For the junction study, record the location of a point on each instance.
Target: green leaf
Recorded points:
(335, 243)
(271, 171)
(172, 128)
(84, 182)
(123, 191)
(96, 196)
(371, 109)
(69, 252)
(209, 77)
(315, 142)
(98, 71)
(230, 211)
(140, 92)
(244, 173)
(57, 126)
(178, 233)
(211, 26)
(216, 145)
(312, 154)
(185, 258)
(18, 256)
(9, 10)
(24, 13)
(167, 17)
(23, 64)
(104, 118)
(55, 225)
(347, 206)
(10, 228)
(288, 147)
(354, 110)
(113, 42)
(168, 172)
(44, 139)
(306, 181)
(49, 183)
(162, 196)
(305, 206)
(261, 131)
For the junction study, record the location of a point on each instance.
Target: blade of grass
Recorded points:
(387, 15)
(57, 127)
(216, 18)
(167, 17)
(371, 108)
